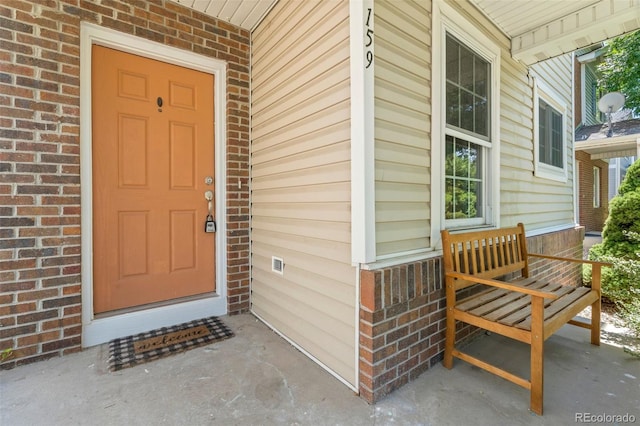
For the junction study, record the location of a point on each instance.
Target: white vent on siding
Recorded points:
(277, 265)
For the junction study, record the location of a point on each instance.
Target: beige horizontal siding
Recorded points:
(544, 202)
(301, 179)
(402, 126)
(336, 192)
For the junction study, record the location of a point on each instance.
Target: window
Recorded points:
(465, 124)
(596, 187)
(550, 134)
(466, 131)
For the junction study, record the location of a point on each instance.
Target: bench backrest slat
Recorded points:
(486, 254)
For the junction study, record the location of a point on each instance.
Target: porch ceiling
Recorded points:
(538, 29)
(243, 13)
(542, 29)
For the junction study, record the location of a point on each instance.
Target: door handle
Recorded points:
(208, 195)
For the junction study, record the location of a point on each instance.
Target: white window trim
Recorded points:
(546, 93)
(596, 186)
(447, 19)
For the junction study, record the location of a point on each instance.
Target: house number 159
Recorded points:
(369, 38)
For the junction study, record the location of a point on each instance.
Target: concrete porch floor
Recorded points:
(257, 378)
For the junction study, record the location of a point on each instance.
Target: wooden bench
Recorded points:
(526, 309)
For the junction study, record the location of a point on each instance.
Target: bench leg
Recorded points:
(595, 323)
(450, 337)
(596, 283)
(537, 354)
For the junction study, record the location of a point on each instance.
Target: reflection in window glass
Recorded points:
(463, 179)
(467, 89)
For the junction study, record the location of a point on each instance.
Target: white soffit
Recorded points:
(602, 149)
(242, 13)
(542, 29)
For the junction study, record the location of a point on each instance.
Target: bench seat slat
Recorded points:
(518, 317)
(495, 296)
(481, 298)
(514, 309)
(505, 299)
(510, 308)
(558, 305)
(508, 299)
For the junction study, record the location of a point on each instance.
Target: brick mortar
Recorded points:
(40, 158)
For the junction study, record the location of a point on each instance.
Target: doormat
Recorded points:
(145, 347)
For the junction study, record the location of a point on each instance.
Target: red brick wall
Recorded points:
(403, 313)
(566, 243)
(592, 218)
(402, 324)
(40, 290)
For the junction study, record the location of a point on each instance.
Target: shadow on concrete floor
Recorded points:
(257, 378)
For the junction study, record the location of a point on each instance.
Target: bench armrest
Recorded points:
(596, 271)
(502, 284)
(570, 259)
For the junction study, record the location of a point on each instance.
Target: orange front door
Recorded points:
(153, 149)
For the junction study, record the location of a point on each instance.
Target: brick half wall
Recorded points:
(402, 323)
(403, 313)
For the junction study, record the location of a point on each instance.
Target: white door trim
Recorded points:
(96, 331)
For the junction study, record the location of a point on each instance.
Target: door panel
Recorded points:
(183, 245)
(153, 146)
(133, 143)
(182, 155)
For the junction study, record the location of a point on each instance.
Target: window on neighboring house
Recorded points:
(467, 134)
(596, 187)
(592, 105)
(550, 135)
(551, 141)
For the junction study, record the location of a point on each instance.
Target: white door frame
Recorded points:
(96, 331)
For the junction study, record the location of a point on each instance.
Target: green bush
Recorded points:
(631, 180)
(621, 247)
(619, 236)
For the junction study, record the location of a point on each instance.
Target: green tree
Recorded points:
(621, 247)
(620, 70)
(623, 222)
(461, 173)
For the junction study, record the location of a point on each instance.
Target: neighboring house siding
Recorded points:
(590, 95)
(578, 92)
(402, 126)
(538, 202)
(592, 217)
(301, 180)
